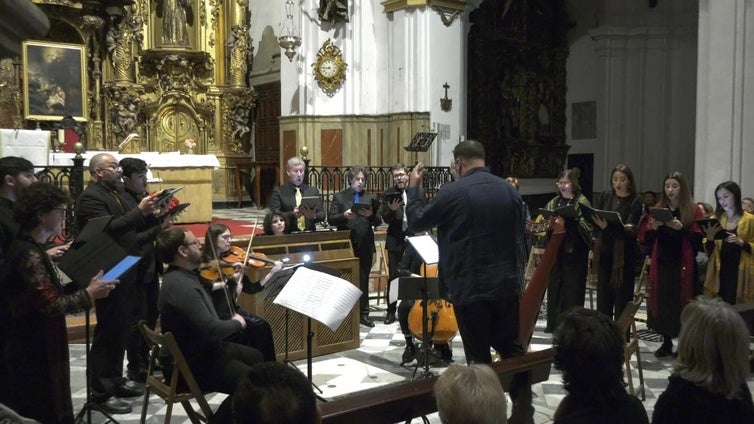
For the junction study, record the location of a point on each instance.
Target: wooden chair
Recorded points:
(627, 324)
(380, 273)
(591, 279)
(170, 390)
(643, 288)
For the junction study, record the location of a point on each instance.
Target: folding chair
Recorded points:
(627, 324)
(170, 391)
(380, 273)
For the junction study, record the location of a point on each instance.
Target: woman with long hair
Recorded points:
(37, 346)
(567, 284)
(708, 384)
(730, 271)
(673, 274)
(277, 223)
(616, 249)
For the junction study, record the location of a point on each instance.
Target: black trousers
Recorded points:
(221, 370)
(393, 260)
(567, 285)
(612, 300)
(365, 267)
(137, 350)
(114, 317)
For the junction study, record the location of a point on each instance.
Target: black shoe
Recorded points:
(113, 405)
(129, 388)
(409, 354)
(664, 351)
(139, 376)
(364, 320)
(446, 354)
(389, 319)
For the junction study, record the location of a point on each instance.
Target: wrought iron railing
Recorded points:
(71, 179)
(333, 179)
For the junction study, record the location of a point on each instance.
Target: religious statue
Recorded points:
(333, 10)
(239, 53)
(240, 122)
(118, 40)
(125, 118)
(174, 22)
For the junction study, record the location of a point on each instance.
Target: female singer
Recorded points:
(730, 271)
(37, 345)
(568, 275)
(217, 244)
(673, 274)
(276, 223)
(616, 249)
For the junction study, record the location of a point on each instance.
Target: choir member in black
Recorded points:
(393, 213)
(287, 197)
(361, 224)
(37, 346)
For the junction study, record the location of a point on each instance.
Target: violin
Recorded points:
(443, 325)
(224, 267)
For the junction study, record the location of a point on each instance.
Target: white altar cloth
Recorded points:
(155, 160)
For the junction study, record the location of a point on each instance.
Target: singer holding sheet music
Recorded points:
(673, 274)
(568, 275)
(730, 271)
(287, 198)
(344, 215)
(37, 345)
(616, 250)
(393, 212)
(480, 235)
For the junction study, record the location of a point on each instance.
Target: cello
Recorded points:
(443, 325)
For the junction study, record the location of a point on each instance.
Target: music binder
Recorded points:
(567, 211)
(612, 217)
(93, 250)
(721, 234)
(661, 214)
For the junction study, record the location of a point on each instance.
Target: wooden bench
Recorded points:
(403, 401)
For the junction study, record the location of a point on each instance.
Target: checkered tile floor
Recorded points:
(376, 362)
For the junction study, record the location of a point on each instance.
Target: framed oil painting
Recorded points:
(54, 81)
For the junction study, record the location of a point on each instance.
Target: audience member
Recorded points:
(277, 223)
(730, 270)
(616, 249)
(748, 204)
(393, 213)
(708, 384)
(271, 393)
(361, 223)
(287, 197)
(37, 346)
(567, 284)
(673, 275)
(708, 209)
(470, 394)
(589, 349)
(187, 311)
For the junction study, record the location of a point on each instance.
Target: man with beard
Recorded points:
(287, 197)
(187, 311)
(393, 212)
(104, 197)
(361, 223)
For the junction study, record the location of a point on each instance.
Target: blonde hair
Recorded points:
(713, 347)
(470, 394)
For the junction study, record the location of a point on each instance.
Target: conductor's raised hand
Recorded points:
(416, 176)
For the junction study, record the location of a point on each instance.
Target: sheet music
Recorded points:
(319, 296)
(426, 248)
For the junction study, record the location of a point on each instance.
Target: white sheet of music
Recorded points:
(426, 247)
(319, 296)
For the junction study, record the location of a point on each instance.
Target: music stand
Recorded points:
(423, 289)
(420, 143)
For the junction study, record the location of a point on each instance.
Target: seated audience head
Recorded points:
(748, 204)
(470, 394)
(179, 247)
(15, 174)
(589, 350)
(709, 210)
(514, 182)
(713, 347)
(295, 168)
(275, 393)
(43, 206)
(276, 223)
(217, 240)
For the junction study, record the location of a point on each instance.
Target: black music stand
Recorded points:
(422, 289)
(420, 143)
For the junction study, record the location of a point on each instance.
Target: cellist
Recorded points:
(226, 279)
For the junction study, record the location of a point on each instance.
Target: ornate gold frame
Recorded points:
(330, 52)
(52, 69)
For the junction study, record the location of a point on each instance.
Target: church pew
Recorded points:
(400, 402)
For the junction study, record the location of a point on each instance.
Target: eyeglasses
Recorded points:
(196, 242)
(399, 176)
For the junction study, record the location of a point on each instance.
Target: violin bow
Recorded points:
(251, 239)
(231, 305)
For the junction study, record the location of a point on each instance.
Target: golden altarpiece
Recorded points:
(167, 70)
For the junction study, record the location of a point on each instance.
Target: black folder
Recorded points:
(612, 217)
(661, 214)
(711, 222)
(93, 250)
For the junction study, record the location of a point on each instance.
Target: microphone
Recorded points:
(127, 140)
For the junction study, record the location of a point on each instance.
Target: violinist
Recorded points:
(217, 244)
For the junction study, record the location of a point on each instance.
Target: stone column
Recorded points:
(725, 97)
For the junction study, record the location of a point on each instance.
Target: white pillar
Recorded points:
(725, 97)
